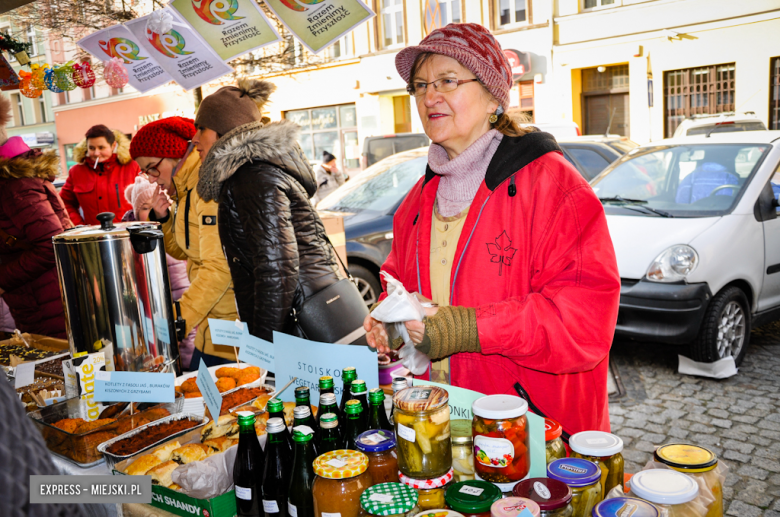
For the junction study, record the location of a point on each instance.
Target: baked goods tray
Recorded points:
(80, 465)
(113, 459)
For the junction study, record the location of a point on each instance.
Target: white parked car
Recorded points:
(721, 123)
(695, 226)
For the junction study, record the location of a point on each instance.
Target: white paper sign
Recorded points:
(25, 374)
(471, 490)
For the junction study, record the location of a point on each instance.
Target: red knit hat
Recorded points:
(164, 138)
(473, 47)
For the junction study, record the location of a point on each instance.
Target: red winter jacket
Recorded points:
(536, 261)
(32, 211)
(100, 189)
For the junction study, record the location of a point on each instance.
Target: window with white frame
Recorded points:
(391, 23)
(31, 39)
(18, 109)
(341, 48)
(42, 109)
(510, 12)
(595, 4)
(439, 13)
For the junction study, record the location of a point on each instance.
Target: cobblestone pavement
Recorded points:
(737, 418)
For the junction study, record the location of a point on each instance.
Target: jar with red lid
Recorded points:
(430, 492)
(553, 446)
(500, 429)
(553, 496)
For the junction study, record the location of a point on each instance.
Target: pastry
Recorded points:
(225, 384)
(228, 371)
(89, 426)
(174, 486)
(261, 401)
(142, 464)
(69, 425)
(164, 452)
(260, 427)
(226, 425)
(220, 444)
(192, 395)
(189, 453)
(161, 474)
(248, 375)
(156, 413)
(189, 386)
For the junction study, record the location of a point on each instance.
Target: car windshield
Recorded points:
(378, 188)
(678, 180)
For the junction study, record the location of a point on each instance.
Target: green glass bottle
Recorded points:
(302, 416)
(329, 435)
(326, 385)
(275, 408)
(303, 398)
(276, 474)
(300, 502)
(348, 375)
(327, 405)
(248, 468)
(360, 392)
(354, 426)
(377, 416)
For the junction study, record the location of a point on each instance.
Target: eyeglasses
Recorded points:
(443, 85)
(156, 173)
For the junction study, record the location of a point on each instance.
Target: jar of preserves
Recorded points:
(621, 506)
(553, 444)
(342, 477)
(472, 498)
(439, 512)
(389, 499)
(430, 492)
(379, 446)
(552, 496)
(584, 479)
(462, 450)
(605, 450)
(699, 463)
(669, 490)
(500, 429)
(422, 430)
(512, 506)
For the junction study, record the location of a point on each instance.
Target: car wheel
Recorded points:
(725, 330)
(368, 284)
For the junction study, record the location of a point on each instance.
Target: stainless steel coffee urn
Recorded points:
(116, 293)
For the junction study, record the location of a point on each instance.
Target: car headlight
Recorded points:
(674, 264)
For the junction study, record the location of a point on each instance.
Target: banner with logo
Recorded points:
(117, 41)
(231, 27)
(180, 52)
(318, 23)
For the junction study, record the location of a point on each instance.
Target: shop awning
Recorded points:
(7, 5)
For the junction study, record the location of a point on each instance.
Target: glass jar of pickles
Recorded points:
(583, 477)
(472, 498)
(514, 506)
(430, 492)
(553, 445)
(605, 450)
(342, 477)
(422, 430)
(699, 463)
(500, 429)
(622, 506)
(389, 500)
(379, 446)
(462, 450)
(669, 490)
(552, 496)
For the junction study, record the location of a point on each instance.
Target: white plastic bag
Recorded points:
(399, 307)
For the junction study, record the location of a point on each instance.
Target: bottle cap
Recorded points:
(376, 395)
(326, 382)
(552, 429)
(619, 506)
(513, 506)
(575, 472)
(302, 433)
(399, 383)
(473, 496)
(664, 486)
(499, 407)
(420, 398)
(353, 407)
(275, 425)
(340, 464)
(302, 393)
(388, 499)
(549, 494)
(686, 458)
(329, 421)
(327, 399)
(246, 418)
(348, 374)
(595, 443)
(375, 440)
(274, 406)
(301, 412)
(358, 387)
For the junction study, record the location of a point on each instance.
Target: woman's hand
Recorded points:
(161, 201)
(416, 329)
(376, 335)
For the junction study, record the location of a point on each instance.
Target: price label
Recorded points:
(270, 506)
(381, 498)
(541, 490)
(471, 490)
(373, 439)
(292, 511)
(326, 514)
(406, 433)
(25, 374)
(244, 493)
(337, 464)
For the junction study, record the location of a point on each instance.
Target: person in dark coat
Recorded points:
(273, 239)
(31, 213)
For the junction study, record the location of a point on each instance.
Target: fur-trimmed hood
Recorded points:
(275, 143)
(45, 166)
(122, 149)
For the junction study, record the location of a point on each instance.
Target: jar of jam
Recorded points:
(621, 506)
(472, 498)
(500, 429)
(439, 512)
(379, 446)
(389, 499)
(584, 479)
(462, 450)
(430, 492)
(422, 430)
(553, 445)
(605, 450)
(699, 463)
(552, 496)
(342, 477)
(669, 490)
(512, 506)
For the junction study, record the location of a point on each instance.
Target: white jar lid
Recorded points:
(596, 443)
(499, 407)
(664, 486)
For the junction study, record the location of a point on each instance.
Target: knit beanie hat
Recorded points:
(231, 106)
(139, 193)
(164, 138)
(473, 47)
(327, 157)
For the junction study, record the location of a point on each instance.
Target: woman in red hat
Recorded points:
(164, 151)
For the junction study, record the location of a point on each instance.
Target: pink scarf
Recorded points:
(461, 177)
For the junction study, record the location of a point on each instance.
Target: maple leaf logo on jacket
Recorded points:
(501, 251)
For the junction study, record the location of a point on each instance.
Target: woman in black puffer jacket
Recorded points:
(274, 240)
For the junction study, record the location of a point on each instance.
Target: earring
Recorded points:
(493, 118)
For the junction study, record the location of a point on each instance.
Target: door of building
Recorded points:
(600, 108)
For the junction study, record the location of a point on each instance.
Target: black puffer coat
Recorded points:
(273, 238)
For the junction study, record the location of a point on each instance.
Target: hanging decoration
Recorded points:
(83, 75)
(160, 22)
(50, 80)
(63, 77)
(26, 86)
(115, 73)
(15, 47)
(8, 78)
(39, 75)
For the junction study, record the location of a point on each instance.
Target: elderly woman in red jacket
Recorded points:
(507, 238)
(98, 181)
